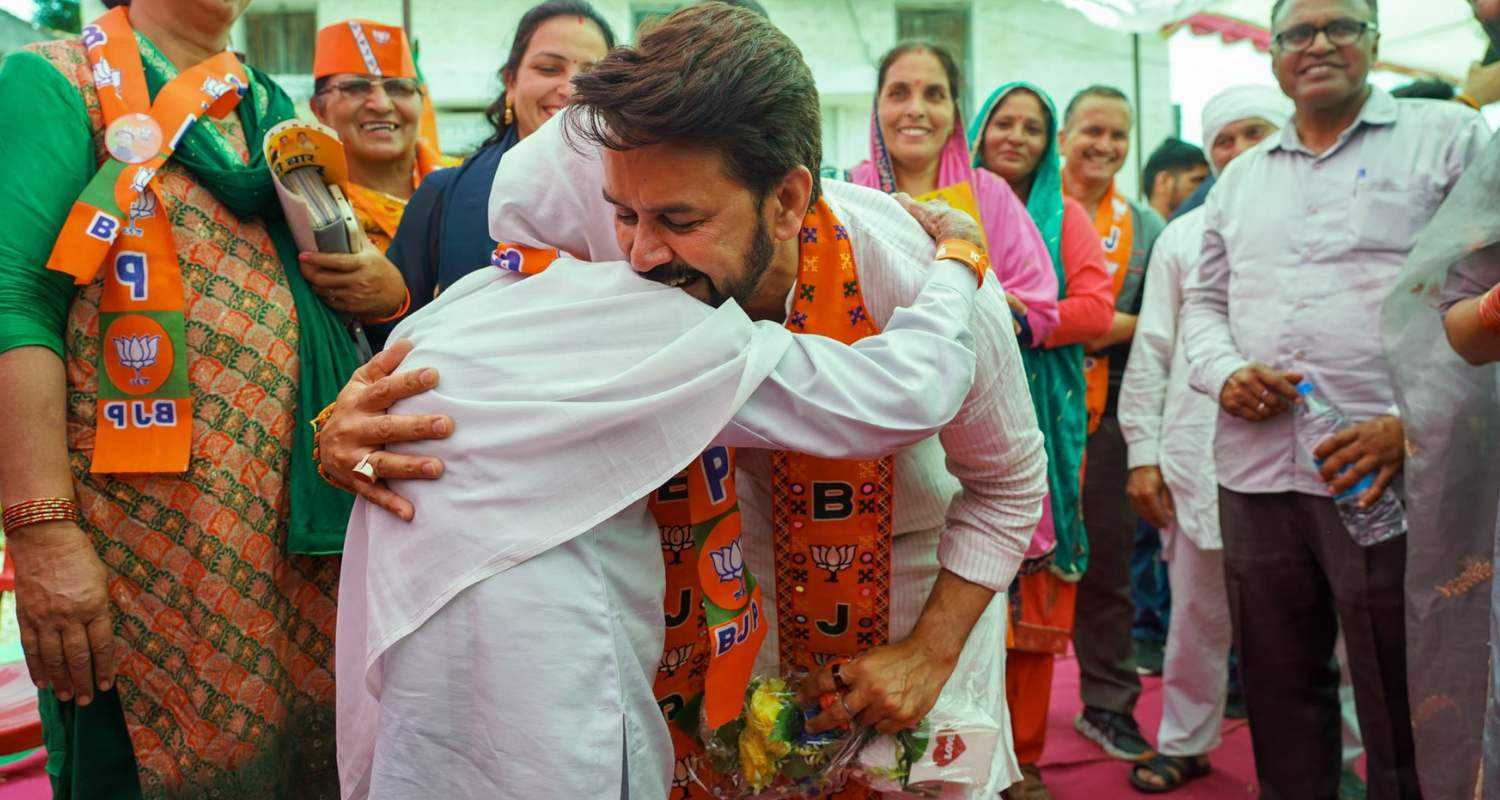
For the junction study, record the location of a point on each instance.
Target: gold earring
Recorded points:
(510, 113)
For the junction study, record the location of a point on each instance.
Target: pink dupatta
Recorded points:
(1018, 256)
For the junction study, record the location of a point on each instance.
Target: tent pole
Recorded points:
(406, 18)
(1140, 112)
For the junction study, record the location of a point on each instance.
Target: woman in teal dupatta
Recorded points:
(1015, 136)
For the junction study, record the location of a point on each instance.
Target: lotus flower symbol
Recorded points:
(142, 179)
(672, 660)
(675, 539)
(684, 772)
(143, 206)
(834, 558)
(137, 353)
(729, 562)
(215, 88)
(106, 75)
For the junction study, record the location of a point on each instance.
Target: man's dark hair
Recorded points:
(1279, 4)
(1431, 89)
(1174, 156)
(709, 74)
(525, 29)
(1097, 90)
(749, 5)
(944, 57)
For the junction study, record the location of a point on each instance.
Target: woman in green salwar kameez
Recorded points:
(182, 631)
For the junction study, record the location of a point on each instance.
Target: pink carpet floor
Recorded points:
(1073, 767)
(25, 779)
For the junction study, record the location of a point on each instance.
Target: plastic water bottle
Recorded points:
(1317, 419)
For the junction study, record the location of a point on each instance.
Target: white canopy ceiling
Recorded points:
(1434, 36)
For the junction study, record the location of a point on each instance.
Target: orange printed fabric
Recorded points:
(831, 520)
(379, 214)
(119, 223)
(363, 47)
(1116, 229)
(714, 622)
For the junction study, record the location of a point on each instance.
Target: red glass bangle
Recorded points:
(43, 509)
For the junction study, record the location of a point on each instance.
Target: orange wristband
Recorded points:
(967, 253)
(400, 312)
(1489, 310)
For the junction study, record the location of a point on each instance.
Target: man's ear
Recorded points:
(790, 198)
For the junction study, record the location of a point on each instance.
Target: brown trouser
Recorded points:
(1294, 578)
(1105, 612)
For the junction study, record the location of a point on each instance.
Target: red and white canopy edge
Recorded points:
(1436, 38)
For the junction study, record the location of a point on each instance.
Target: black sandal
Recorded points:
(1174, 771)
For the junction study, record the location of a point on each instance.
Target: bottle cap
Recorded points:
(1305, 388)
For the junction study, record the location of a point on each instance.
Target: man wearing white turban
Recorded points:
(1169, 430)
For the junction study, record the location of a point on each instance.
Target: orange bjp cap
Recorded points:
(363, 47)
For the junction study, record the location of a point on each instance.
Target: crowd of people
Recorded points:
(1240, 432)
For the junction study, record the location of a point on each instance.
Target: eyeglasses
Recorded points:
(1340, 33)
(397, 89)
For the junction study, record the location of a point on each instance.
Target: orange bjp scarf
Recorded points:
(1116, 226)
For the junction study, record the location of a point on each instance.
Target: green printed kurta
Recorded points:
(226, 681)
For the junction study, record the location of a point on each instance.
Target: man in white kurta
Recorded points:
(966, 500)
(1169, 430)
(505, 645)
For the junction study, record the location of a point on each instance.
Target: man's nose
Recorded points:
(648, 251)
(1320, 43)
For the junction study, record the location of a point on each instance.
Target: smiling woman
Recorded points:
(918, 146)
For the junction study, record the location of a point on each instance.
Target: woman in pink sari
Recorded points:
(917, 146)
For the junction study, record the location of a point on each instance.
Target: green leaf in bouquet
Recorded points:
(788, 724)
(913, 745)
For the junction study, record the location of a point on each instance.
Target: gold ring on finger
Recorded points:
(365, 470)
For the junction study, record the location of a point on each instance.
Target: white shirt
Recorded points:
(982, 478)
(1299, 253)
(1167, 423)
(576, 392)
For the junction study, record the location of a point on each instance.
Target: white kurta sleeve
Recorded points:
(994, 449)
(832, 400)
(1143, 391)
(993, 445)
(1211, 351)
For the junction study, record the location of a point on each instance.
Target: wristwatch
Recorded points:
(967, 253)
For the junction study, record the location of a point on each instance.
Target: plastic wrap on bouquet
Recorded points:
(766, 752)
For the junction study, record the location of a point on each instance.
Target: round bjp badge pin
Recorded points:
(133, 138)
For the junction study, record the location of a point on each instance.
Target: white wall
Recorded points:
(463, 43)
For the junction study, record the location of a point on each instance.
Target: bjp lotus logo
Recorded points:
(106, 76)
(729, 563)
(833, 558)
(674, 659)
(142, 179)
(137, 353)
